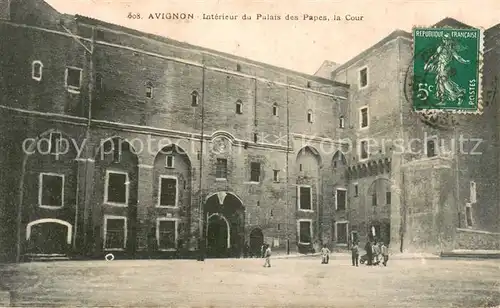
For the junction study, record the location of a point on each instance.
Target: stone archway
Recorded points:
(224, 225)
(378, 201)
(256, 241)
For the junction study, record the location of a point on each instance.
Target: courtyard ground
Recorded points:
(292, 282)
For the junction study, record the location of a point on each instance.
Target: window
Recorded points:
(194, 99)
(168, 191)
(304, 198)
(169, 161)
(239, 107)
(115, 232)
(276, 177)
(308, 85)
(363, 117)
(388, 197)
(374, 198)
(116, 191)
(340, 200)
(363, 77)
(473, 195)
(166, 233)
(431, 147)
(255, 137)
(468, 214)
(354, 237)
(309, 116)
(221, 168)
(238, 67)
(356, 190)
(149, 90)
(51, 190)
(255, 172)
(275, 109)
(341, 234)
(305, 231)
(73, 79)
(99, 35)
(36, 70)
(364, 149)
(55, 143)
(341, 122)
(98, 82)
(300, 167)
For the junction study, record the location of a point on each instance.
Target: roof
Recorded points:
(395, 34)
(96, 22)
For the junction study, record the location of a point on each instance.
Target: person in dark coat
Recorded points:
(369, 253)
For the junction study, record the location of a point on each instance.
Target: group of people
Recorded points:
(376, 253)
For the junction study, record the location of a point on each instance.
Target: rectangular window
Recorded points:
(276, 177)
(116, 188)
(36, 70)
(305, 232)
(388, 197)
(115, 232)
(73, 79)
(364, 149)
(473, 194)
(341, 122)
(221, 168)
(356, 190)
(169, 162)
(167, 234)
(55, 143)
(363, 77)
(341, 233)
(99, 35)
(51, 190)
(168, 191)
(305, 198)
(340, 200)
(255, 172)
(468, 214)
(374, 199)
(364, 117)
(149, 91)
(354, 237)
(431, 148)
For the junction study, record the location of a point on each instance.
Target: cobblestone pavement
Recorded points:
(294, 282)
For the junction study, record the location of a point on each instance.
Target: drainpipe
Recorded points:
(287, 171)
(201, 238)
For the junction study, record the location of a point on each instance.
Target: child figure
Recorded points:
(355, 254)
(325, 255)
(385, 253)
(267, 255)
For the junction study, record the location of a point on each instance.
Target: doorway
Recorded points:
(256, 242)
(218, 236)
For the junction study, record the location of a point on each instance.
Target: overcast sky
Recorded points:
(298, 45)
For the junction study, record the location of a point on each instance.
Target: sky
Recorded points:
(300, 45)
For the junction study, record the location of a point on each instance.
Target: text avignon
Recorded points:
(171, 16)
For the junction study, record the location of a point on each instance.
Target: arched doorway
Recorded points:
(218, 236)
(225, 225)
(48, 236)
(256, 241)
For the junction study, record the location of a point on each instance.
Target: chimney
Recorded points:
(5, 9)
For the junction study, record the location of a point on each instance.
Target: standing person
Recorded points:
(267, 255)
(385, 253)
(355, 253)
(369, 255)
(262, 250)
(325, 255)
(376, 254)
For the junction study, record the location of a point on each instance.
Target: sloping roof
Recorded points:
(390, 37)
(96, 22)
(326, 69)
(451, 22)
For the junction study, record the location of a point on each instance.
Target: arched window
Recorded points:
(149, 90)
(309, 116)
(341, 122)
(239, 107)
(275, 109)
(98, 82)
(36, 70)
(194, 99)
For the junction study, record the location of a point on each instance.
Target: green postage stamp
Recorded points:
(447, 70)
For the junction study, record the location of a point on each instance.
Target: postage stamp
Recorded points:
(447, 70)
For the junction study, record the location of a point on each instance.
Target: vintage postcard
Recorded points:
(216, 153)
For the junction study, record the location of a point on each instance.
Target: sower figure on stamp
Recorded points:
(267, 255)
(325, 255)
